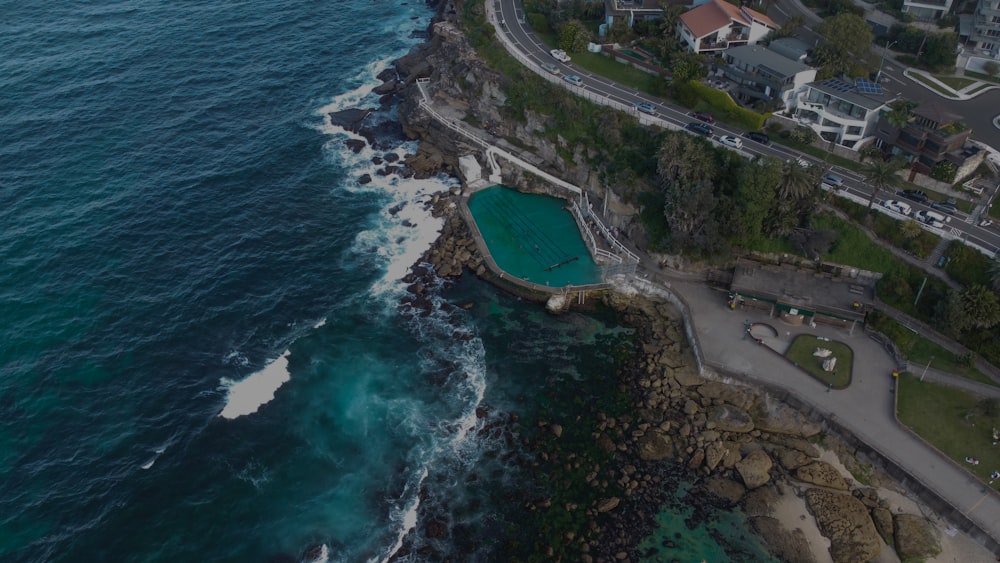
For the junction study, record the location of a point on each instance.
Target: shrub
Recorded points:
(803, 135)
(944, 171)
(968, 266)
(724, 107)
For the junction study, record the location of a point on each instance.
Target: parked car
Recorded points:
(559, 55)
(646, 107)
(699, 128)
(945, 207)
(702, 116)
(573, 79)
(833, 180)
(731, 141)
(759, 137)
(914, 195)
(900, 207)
(931, 218)
(552, 68)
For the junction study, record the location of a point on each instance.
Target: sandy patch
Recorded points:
(791, 511)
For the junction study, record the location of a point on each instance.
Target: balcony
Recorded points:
(714, 45)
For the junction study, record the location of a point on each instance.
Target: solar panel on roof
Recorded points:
(837, 85)
(866, 86)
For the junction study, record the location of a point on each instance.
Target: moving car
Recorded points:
(645, 107)
(702, 116)
(931, 218)
(559, 55)
(914, 195)
(699, 128)
(731, 141)
(945, 207)
(900, 207)
(759, 137)
(552, 68)
(833, 180)
(573, 79)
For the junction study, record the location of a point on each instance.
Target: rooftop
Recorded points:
(765, 57)
(790, 47)
(717, 14)
(847, 92)
(807, 289)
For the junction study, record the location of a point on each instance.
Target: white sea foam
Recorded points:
(322, 557)
(406, 519)
(149, 463)
(320, 323)
(246, 396)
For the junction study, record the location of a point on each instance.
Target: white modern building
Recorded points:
(926, 10)
(763, 74)
(839, 112)
(717, 25)
(985, 36)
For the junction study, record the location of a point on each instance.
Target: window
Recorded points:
(854, 130)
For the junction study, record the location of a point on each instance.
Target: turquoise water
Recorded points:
(533, 237)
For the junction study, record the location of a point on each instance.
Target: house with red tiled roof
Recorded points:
(718, 25)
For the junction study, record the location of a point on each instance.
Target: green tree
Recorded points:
(880, 176)
(573, 37)
(991, 68)
(686, 66)
(846, 48)
(685, 171)
(910, 229)
(797, 181)
(939, 50)
(900, 112)
(753, 198)
(995, 274)
(980, 306)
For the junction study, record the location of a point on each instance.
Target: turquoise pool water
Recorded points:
(533, 237)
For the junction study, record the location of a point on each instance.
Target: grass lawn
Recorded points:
(956, 82)
(980, 88)
(932, 85)
(981, 76)
(955, 421)
(607, 67)
(918, 350)
(801, 353)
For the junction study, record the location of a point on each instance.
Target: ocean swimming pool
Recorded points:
(533, 237)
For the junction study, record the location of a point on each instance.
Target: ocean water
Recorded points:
(202, 354)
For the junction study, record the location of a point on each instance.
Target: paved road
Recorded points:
(865, 408)
(515, 27)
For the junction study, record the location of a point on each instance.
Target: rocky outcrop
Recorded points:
(725, 489)
(655, 445)
(783, 544)
(755, 469)
(779, 418)
(914, 538)
(823, 474)
(844, 520)
(740, 397)
(728, 418)
(882, 518)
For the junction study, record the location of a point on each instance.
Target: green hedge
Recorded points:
(968, 266)
(723, 107)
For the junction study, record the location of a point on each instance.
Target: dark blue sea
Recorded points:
(202, 354)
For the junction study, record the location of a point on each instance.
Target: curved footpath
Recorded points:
(865, 409)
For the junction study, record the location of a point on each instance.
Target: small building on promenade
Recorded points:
(829, 294)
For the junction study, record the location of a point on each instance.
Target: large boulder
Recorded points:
(714, 454)
(687, 376)
(755, 469)
(844, 520)
(883, 523)
(823, 474)
(655, 445)
(725, 489)
(790, 459)
(783, 544)
(740, 397)
(915, 539)
(778, 418)
(728, 418)
(794, 443)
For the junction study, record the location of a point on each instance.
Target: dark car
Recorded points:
(761, 138)
(706, 117)
(699, 128)
(945, 206)
(914, 195)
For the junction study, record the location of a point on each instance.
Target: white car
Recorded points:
(559, 55)
(898, 206)
(931, 218)
(730, 141)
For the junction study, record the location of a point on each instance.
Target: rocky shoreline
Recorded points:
(745, 449)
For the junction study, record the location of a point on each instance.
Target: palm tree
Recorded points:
(880, 176)
(797, 181)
